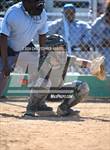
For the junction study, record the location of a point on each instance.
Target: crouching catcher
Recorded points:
(53, 83)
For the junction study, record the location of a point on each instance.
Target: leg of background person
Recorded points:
(3, 83)
(12, 60)
(3, 80)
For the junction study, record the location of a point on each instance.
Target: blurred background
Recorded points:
(87, 11)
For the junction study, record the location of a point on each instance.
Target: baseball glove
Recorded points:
(97, 68)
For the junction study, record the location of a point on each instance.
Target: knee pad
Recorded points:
(81, 89)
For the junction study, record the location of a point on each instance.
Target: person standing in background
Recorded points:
(76, 28)
(21, 23)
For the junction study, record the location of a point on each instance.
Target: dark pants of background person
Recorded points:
(12, 58)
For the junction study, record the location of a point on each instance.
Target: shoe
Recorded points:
(29, 114)
(3, 97)
(44, 108)
(63, 110)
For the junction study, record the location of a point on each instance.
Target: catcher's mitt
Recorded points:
(97, 68)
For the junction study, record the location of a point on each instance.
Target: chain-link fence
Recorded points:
(4, 4)
(85, 25)
(86, 35)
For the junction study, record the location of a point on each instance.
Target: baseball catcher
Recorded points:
(71, 93)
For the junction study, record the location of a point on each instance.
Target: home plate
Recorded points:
(46, 114)
(54, 114)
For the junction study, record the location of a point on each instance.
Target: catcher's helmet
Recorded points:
(55, 40)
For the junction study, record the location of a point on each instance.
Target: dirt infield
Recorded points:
(89, 131)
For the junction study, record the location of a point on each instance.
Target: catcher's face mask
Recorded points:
(57, 49)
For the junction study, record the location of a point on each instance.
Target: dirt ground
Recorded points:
(89, 131)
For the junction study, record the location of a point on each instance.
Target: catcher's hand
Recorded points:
(97, 68)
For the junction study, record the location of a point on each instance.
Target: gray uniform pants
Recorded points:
(77, 90)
